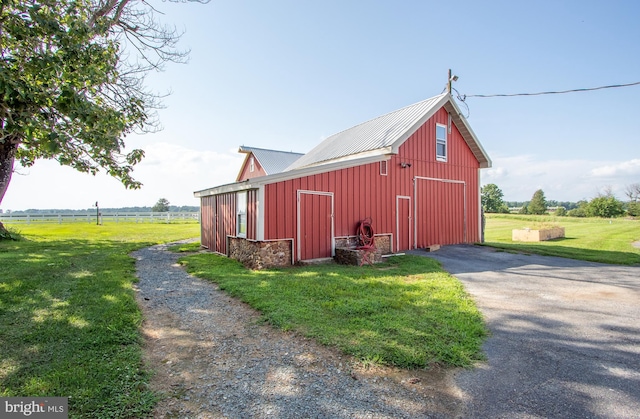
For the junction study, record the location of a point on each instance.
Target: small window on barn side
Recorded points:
(241, 204)
(383, 168)
(251, 165)
(441, 142)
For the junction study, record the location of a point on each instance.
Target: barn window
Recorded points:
(252, 166)
(383, 168)
(441, 142)
(241, 204)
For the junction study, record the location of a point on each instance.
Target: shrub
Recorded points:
(561, 212)
(605, 206)
(633, 209)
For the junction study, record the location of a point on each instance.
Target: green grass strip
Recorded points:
(69, 322)
(406, 312)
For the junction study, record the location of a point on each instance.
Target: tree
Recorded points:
(72, 82)
(633, 193)
(605, 205)
(161, 206)
(538, 204)
(492, 199)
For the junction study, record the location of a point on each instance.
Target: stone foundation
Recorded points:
(348, 254)
(260, 255)
(352, 256)
(382, 241)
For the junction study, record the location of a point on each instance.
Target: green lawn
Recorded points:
(592, 239)
(69, 322)
(406, 312)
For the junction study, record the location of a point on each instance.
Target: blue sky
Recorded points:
(287, 74)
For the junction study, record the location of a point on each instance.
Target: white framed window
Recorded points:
(383, 168)
(441, 142)
(241, 211)
(252, 165)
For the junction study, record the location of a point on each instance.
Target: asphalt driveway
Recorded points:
(565, 337)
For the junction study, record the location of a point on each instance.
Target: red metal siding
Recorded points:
(440, 211)
(316, 238)
(207, 221)
(245, 170)
(225, 220)
(252, 211)
(361, 192)
(404, 224)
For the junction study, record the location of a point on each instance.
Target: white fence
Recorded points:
(128, 217)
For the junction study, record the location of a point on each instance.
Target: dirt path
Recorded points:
(213, 357)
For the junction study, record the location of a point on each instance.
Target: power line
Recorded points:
(613, 86)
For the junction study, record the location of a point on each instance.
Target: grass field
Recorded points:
(592, 239)
(69, 322)
(406, 312)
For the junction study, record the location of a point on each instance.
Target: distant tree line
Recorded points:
(567, 205)
(605, 204)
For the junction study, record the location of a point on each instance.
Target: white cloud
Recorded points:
(563, 180)
(168, 171)
(631, 167)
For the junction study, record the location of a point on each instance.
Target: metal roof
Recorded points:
(272, 161)
(384, 134)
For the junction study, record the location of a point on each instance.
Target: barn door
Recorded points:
(315, 225)
(403, 223)
(440, 212)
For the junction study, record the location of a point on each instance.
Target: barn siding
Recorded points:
(218, 221)
(252, 212)
(245, 171)
(362, 192)
(207, 221)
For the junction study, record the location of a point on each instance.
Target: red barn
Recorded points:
(415, 172)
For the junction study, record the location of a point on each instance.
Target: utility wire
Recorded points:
(461, 99)
(553, 93)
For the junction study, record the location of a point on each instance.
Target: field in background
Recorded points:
(69, 322)
(591, 239)
(102, 218)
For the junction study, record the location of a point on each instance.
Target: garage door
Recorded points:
(440, 212)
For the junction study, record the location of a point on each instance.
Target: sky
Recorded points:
(286, 74)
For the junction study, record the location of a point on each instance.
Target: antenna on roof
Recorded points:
(450, 79)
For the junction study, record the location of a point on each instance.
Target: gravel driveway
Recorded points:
(565, 344)
(565, 335)
(214, 358)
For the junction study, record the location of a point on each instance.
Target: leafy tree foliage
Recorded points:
(633, 193)
(580, 210)
(561, 212)
(633, 209)
(72, 82)
(161, 206)
(538, 204)
(492, 201)
(606, 206)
